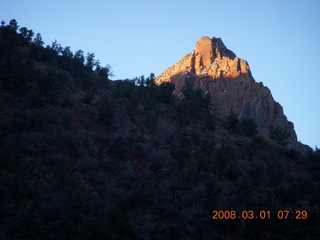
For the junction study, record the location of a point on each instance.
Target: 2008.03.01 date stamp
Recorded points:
(281, 214)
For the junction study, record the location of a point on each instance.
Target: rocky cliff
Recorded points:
(214, 68)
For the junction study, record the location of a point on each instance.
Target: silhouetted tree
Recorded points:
(140, 81)
(56, 47)
(26, 34)
(104, 72)
(166, 92)
(194, 106)
(13, 25)
(38, 40)
(90, 60)
(66, 52)
(79, 56)
(150, 80)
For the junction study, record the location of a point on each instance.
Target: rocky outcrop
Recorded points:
(214, 68)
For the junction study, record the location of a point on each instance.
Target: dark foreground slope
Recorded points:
(83, 157)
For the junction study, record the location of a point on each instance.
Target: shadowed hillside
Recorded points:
(84, 157)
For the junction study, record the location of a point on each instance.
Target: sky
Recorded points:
(280, 39)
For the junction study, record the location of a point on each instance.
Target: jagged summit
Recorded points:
(211, 58)
(213, 45)
(216, 69)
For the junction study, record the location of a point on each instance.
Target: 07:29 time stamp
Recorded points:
(281, 214)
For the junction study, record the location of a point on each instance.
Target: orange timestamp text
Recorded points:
(250, 214)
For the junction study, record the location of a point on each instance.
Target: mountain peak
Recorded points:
(205, 45)
(214, 68)
(214, 46)
(210, 59)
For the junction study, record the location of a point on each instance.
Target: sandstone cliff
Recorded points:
(214, 68)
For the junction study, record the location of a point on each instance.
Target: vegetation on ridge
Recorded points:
(83, 157)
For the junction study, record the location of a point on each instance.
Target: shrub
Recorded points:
(89, 97)
(248, 127)
(63, 174)
(87, 164)
(279, 134)
(232, 122)
(119, 149)
(165, 92)
(194, 106)
(210, 123)
(106, 111)
(258, 142)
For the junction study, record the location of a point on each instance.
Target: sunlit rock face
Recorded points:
(216, 69)
(211, 60)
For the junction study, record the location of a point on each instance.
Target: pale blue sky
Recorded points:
(280, 39)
